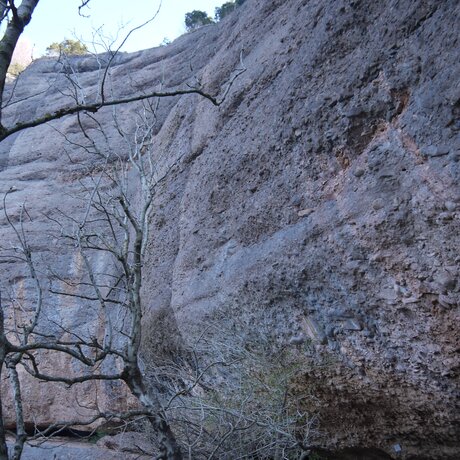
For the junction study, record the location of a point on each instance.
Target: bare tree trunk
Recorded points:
(20, 18)
(21, 434)
(3, 447)
(3, 10)
(169, 449)
(3, 350)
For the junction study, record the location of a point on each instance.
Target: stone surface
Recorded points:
(67, 449)
(370, 277)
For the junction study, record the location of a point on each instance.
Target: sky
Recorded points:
(55, 20)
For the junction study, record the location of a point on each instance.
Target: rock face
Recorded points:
(63, 449)
(318, 207)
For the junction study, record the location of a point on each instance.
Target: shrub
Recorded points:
(227, 8)
(197, 19)
(224, 10)
(68, 46)
(15, 69)
(231, 398)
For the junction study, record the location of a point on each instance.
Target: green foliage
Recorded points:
(224, 10)
(197, 19)
(68, 46)
(227, 8)
(15, 69)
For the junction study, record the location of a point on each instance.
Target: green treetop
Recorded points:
(68, 46)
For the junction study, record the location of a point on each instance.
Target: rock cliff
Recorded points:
(318, 208)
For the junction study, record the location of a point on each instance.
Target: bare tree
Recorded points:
(117, 204)
(111, 224)
(126, 243)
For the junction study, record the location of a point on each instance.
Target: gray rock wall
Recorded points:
(322, 202)
(318, 208)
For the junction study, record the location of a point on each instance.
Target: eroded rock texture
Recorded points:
(319, 205)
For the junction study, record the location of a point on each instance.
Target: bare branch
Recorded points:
(104, 78)
(116, 202)
(84, 3)
(93, 108)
